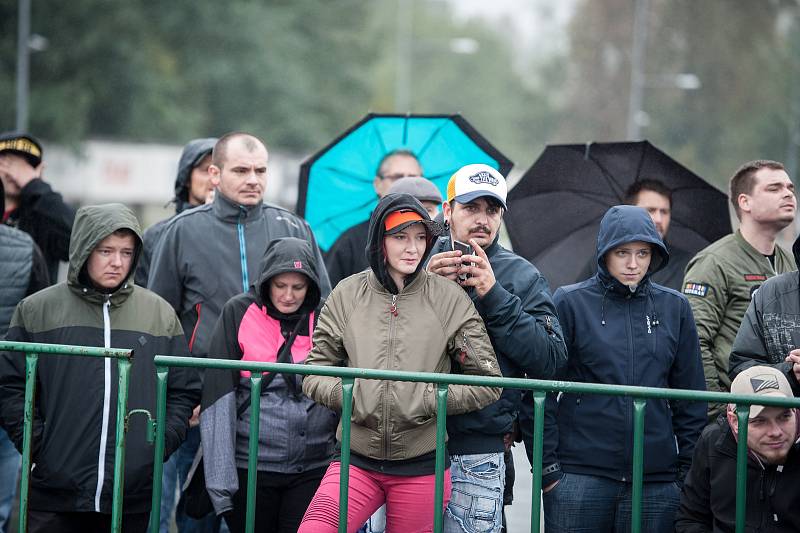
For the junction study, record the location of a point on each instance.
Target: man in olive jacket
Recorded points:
(74, 424)
(721, 279)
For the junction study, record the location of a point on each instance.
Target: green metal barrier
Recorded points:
(539, 388)
(348, 376)
(32, 352)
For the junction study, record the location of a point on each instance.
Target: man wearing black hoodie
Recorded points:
(514, 302)
(192, 188)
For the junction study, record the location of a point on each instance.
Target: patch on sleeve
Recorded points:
(696, 289)
(755, 277)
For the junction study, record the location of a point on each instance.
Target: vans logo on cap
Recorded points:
(764, 382)
(483, 177)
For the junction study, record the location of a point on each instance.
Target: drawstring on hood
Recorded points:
(620, 225)
(376, 256)
(281, 256)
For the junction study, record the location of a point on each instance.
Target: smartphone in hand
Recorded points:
(466, 249)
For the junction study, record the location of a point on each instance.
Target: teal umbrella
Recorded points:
(335, 190)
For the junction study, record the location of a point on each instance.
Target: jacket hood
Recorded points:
(374, 250)
(193, 152)
(93, 223)
(627, 223)
(289, 254)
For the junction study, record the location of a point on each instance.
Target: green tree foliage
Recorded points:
(744, 53)
(292, 71)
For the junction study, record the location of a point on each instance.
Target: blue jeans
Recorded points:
(476, 503)
(594, 504)
(10, 460)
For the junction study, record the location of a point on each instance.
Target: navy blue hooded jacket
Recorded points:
(643, 337)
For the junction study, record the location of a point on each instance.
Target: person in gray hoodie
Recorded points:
(192, 188)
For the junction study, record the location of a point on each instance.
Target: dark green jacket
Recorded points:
(74, 437)
(719, 283)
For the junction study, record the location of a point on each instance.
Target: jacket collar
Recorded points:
(233, 213)
(415, 285)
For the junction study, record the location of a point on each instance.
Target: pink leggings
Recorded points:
(409, 501)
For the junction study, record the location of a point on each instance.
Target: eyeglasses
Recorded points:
(395, 177)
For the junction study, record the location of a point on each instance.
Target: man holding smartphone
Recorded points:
(514, 301)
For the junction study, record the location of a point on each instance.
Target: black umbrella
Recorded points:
(555, 209)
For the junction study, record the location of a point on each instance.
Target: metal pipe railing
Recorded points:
(32, 351)
(540, 388)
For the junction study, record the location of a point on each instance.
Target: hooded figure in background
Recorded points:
(621, 328)
(192, 188)
(272, 322)
(395, 316)
(74, 426)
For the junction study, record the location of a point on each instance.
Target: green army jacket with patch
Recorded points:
(719, 283)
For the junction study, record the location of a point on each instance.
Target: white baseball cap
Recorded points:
(473, 181)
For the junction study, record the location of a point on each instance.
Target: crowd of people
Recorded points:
(425, 286)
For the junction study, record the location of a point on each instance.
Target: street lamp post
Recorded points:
(23, 63)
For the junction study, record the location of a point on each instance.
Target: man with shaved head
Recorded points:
(211, 253)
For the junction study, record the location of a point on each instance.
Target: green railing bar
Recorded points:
(32, 350)
(743, 416)
(441, 437)
(27, 439)
(538, 449)
(638, 464)
(158, 454)
(252, 451)
(344, 470)
(65, 349)
(124, 366)
(569, 387)
(641, 394)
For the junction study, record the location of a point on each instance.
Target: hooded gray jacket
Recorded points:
(208, 254)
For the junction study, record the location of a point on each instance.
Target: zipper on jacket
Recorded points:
(243, 252)
(198, 308)
(390, 355)
(101, 459)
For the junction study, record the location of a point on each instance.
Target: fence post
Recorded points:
(344, 470)
(31, 360)
(743, 416)
(252, 452)
(162, 373)
(441, 436)
(124, 366)
(538, 450)
(638, 463)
